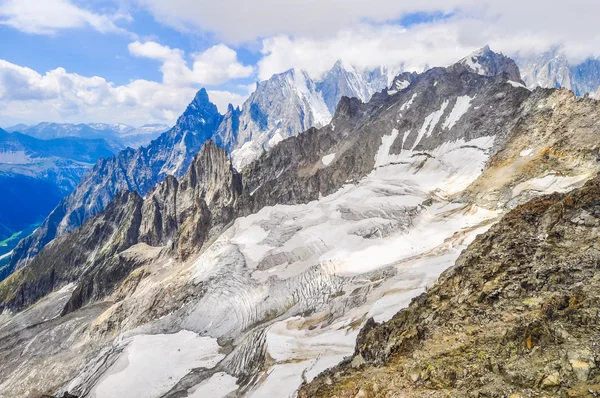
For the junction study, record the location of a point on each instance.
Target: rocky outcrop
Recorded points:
(516, 314)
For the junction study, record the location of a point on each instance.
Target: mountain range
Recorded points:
(169, 272)
(118, 135)
(281, 107)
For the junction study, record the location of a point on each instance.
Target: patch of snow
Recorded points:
(472, 63)
(2, 257)
(549, 184)
(516, 84)
(460, 108)
(152, 364)
(526, 152)
(408, 103)
(382, 157)
(401, 84)
(277, 138)
(327, 159)
(218, 386)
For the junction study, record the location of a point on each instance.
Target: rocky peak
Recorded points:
(488, 63)
(199, 112)
(283, 106)
(134, 170)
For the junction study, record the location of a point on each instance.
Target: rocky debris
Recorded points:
(516, 314)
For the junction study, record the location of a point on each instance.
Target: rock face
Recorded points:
(280, 107)
(289, 103)
(552, 70)
(517, 314)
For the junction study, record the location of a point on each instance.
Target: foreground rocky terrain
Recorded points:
(250, 283)
(518, 315)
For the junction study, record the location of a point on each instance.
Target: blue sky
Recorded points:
(140, 61)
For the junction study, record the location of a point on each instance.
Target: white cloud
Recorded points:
(239, 21)
(50, 16)
(366, 47)
(27, 96)
(214, 66)
(514, 25)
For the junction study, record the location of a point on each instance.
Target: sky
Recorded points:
(141, 61)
